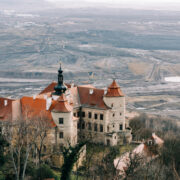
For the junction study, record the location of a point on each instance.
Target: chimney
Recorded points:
(34, 97)
(105, 91)
(5, 102)
(55, 97)
(91, 91)
(45, 96)
(48, 103)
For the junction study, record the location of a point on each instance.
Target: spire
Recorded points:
(114, 90)
(60, 88)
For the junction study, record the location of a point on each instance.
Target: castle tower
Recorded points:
(62, 113)
(115, 99)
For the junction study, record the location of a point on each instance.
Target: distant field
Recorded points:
(138, 48)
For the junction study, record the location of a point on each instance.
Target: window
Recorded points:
(61, 120)
(120, 127)
(61, 147)
(89, 115)
(83, 125)
(108, 142)
(61, 135)
(78, 114)
(120, 114)
(83, 114)
(95, 127)
(95, 116)
(101, 117)
(44, 148)
(113, 114)
(112, 105)
(101, 128)
(108, 129)
(60, 78)
(89, 126)
(79, 125)
(74, 114)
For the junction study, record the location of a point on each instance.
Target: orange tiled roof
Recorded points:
(62, 105)
(114, 90)
(5, 111)
(74, 97)
(34, 108)
(49, 88)
(87, 85)
(94, 100)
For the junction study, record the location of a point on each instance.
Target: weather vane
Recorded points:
(60, 62)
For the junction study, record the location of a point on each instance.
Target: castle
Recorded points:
(75, 112)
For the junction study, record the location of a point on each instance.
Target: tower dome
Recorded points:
(60, 88)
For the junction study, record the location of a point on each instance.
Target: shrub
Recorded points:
(43, 172)
(2, 177)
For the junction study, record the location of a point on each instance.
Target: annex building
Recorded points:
(75, 112)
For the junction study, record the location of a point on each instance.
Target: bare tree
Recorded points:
(21, 135)
(171, 155)
(134, 161)
(43, 130)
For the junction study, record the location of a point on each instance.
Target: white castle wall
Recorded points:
(69, 128)
(117, 113)
(96, 136)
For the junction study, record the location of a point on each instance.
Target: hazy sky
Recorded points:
(137, 4)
